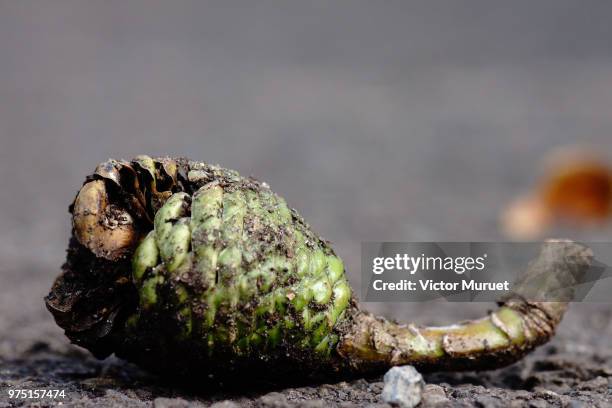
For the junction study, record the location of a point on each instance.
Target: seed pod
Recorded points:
(184, 267)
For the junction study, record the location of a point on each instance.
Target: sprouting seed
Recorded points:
(189, 269)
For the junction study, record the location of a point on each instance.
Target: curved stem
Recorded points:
(505, 335)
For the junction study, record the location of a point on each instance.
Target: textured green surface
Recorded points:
(236, 270)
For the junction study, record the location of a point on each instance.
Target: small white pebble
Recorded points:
(403, 387)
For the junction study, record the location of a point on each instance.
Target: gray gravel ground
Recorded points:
(407, 120)
(575, 370)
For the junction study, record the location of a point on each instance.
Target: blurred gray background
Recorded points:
(377, 120)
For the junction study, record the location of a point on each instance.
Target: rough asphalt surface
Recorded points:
(408, 121)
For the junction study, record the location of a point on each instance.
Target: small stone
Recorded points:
(403, 387)
(274, 400)
(522, 394)
(360, 384)
(376, 387)
(463, 392)
(545, 394)
(596, 384)
(319, 403)
(577, 404)
(538, 403)
(170, 403)
(99, 383)
(434, 396)
(324, 391)
(486, 401)
(118, 399)
(225, 404)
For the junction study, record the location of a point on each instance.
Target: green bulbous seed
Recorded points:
(228, 277)
(256, 269)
